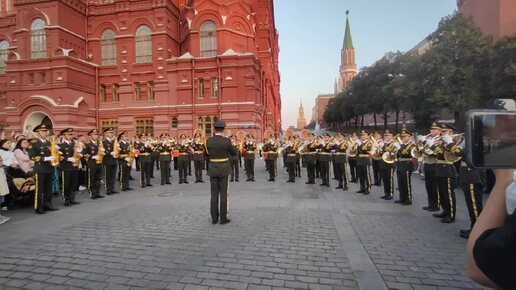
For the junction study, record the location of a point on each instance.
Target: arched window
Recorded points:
(108, 43)
(4, 51)
(38, 39)
(143, 44)
(208, 36)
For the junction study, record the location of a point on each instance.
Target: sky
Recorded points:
(311, 34)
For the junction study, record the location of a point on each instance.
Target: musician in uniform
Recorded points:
(198, 156)
(164, 150)
(250, 148)
(444, 173)
(183, 147)
(404, 168)
(309, 156)
(271, 148)
(94, 155)
(340, 148)
(40, 153)
(155, 157)
(145, 147)
(109, 161)
(429, 167)
(352, 161)
(364, 162)
(218, 149)
(233, 160)
(376, 161)
(387, 167)
(290, 159)
(324, 158)
(69, 166)
(298, 156)
(124, 160)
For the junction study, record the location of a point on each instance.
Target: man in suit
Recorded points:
(218, 149)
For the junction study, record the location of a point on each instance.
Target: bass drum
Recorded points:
(241, 136)
(268, 134)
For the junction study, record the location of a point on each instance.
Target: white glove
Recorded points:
(420, 138)
(127, 159)
(380, 144)
(96, 157)
(79, 150)
(447, 139)
(49, 158)
(112, 153)
(397, 145)
(71, 159)
(430, 142)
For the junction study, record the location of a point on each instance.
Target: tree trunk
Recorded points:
(385, 117)
(375, 125)
(362, 121)
(397, 119)
(356, 121)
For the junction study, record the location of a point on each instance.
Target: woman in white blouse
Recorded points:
(22, 156)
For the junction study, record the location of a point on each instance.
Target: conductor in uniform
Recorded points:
(218, 149)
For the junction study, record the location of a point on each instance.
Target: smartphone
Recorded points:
(491, 138)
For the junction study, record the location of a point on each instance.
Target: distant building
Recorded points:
(494, 17)
(321, 102)
(301, 121)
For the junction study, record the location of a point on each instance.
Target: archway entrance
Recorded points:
(35, 119)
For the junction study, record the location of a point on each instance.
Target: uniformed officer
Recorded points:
(444, 174)
(124, 160)
(198, 156)
(94, 156)
(164, 149)
(298, 156)
(271, 148)
(218, 149)
(404, 168)
(429, 167)
(309, 156)
(376, 161)
(110, 160)
(70, 151)
(155, 157)
(233, 160)
(40, 153)
(249, 156)
(340, 148)
(364, 162)
(471, 182)
(387, 168)
(290, 159)
(145, 147)
(324, 157)
(352, 161)
(183, 147)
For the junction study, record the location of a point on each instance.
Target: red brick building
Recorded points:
(142, 66)
(494, 17)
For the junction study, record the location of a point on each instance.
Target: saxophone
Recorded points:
(76, 155)
(116, 149)
(100, 152)
(54, 152)
(132, 155)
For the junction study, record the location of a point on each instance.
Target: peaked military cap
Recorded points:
(325, 134)
(364, 131)
(219, 124)
(339, 135)
(444, 127)
(109, 130)
(66, 131)
(122, 134)
(163, 135)
(41, 127)
(250, 135)
(183, 136)
(451, 127)
(93, 132)
(388, 132)
(435, 126)
(405, 132)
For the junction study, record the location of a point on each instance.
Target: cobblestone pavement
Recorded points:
(282, 235)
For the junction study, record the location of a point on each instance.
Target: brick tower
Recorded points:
(301, 121)
(348, 67)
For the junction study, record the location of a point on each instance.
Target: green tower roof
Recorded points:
(348, 42)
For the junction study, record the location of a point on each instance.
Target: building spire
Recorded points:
(348, 41)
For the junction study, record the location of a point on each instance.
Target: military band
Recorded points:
(404, 168)
(388, 151)
(340, 148)
(233, 160)
(164, 149)
(365, 148)
(125, 160)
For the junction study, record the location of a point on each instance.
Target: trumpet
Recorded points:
(76, 155)
(116, 148)
(54, 152)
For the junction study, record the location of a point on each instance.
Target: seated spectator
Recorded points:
(22, 156)
(7, 154)
(492, 242)
(4, 190)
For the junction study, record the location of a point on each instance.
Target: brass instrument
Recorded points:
(352, 150)
(100, 152)
(305, 134)
(455, 152)
(132, 155)
(116, 148)
(390, 154)
(54, 152)
(76, 155)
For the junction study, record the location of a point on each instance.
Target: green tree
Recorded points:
(504, 68)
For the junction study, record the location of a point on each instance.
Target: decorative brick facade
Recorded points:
(150, 65)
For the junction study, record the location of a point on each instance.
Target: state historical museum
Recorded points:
(145, 66)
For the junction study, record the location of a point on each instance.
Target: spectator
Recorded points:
(7, 154)
(492, 242)
(22, 155)
(4, 189)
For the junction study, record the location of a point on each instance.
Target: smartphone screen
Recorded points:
(491, 139)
